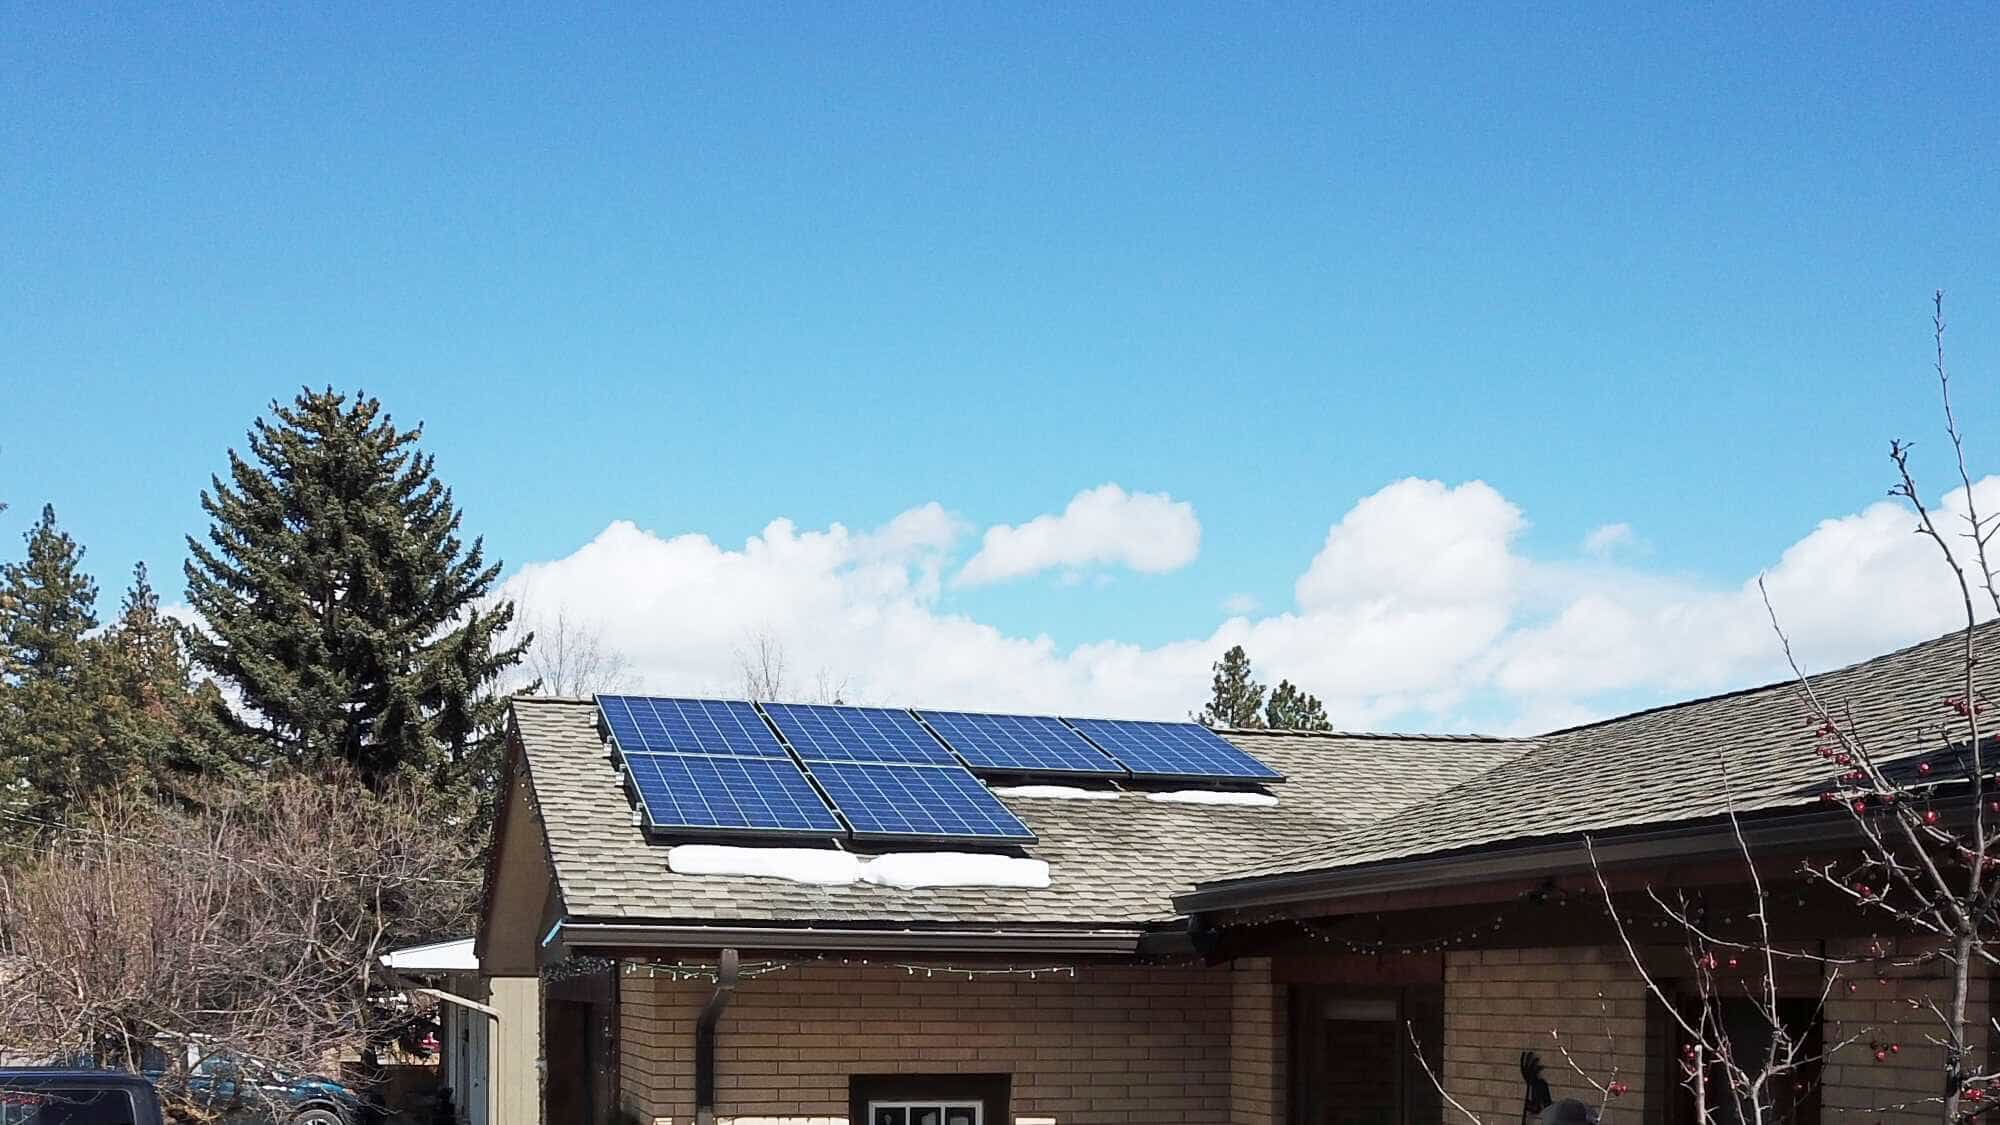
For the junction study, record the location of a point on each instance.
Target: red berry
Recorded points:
(1930, 816)
(1732, 962)
(1843, 759)
(1974, 1094)
(1923, 769)
(1895, 1048)
(1860, 805)
(1881, 1056)
(1618, 1089)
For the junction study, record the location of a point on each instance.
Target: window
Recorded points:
(51, 1105)
(928, 1099)
(924, 1113)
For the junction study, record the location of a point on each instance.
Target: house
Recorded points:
(1215, 958)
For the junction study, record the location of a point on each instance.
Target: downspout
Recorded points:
(704, 1038)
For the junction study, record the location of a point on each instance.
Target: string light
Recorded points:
(702, 971)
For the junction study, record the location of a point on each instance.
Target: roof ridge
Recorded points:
(1790, 681)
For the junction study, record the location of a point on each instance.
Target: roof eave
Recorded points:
(582, 936)
(1778, 830)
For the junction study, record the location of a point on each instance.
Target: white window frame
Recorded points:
(942, 1106)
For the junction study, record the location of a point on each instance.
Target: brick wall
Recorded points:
(1256, 1044)
(1111, 1045)
(1501, 1002)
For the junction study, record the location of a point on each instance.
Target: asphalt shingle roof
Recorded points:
(1661, 766)
(1349, 800)
(1112, 863)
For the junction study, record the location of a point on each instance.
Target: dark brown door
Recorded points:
(566, 1042)
(1791, 1100)
(1353, 1062)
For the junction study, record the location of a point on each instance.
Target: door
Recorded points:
(567, 1041)
(478, 1055)
(1353, 1059)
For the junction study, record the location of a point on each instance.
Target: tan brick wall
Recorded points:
(1256, 1045)
(1132, 1046)
(1904, 1088)
(1501, 1002)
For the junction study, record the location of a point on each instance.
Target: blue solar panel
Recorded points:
(701, 791)
(1020, 744)
(1173, 750)
(890, 800)
(647, 725)
(855, 734)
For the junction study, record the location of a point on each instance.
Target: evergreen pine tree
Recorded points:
(1292, 709)
(340, 601)
(50, 605)
(47, 724)
(1235, 699)
(160, 727)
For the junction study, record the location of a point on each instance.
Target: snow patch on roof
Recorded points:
(823, 868)
(816, 866)
(1214, 797)
(1057, 792)
(909, 870)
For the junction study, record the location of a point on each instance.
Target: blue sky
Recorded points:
(703, 269)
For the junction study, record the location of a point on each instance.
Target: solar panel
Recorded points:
(649, 725)
(1173, 750)
(926, 801)
(855, 734)
(1020, 744)
(703, 791)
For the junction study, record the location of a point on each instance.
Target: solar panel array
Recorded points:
(889, 777)
(855, 734)
(931, 801)
(712, 765)
(649, 725)
(721, 793)
(1181, 751)
(708, 765)
(1028, 744)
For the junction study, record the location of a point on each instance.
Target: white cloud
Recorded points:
(1418, 609)
(1149, 532)
(1608, 539)
(1239, 605)
(1417, 544)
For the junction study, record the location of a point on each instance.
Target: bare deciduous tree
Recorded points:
(252, 928)
(764, 671)
(570, 657)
